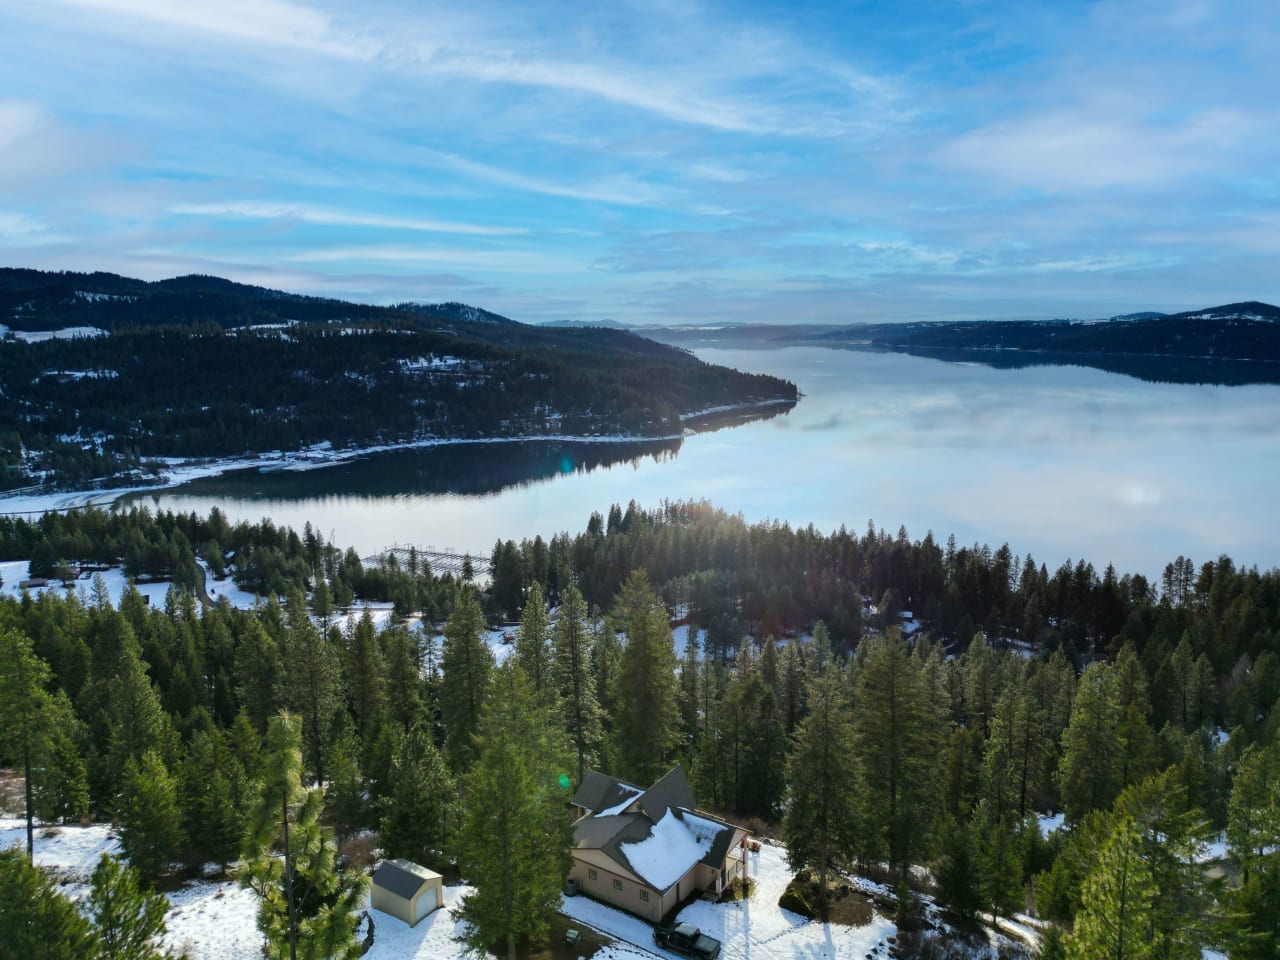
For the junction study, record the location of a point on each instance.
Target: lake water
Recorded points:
(1062, 462)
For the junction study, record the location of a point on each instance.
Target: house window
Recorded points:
(593, 875)
(644, 894)
(617, 884)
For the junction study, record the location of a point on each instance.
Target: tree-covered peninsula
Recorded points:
(100, 373)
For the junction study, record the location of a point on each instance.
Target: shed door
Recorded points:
(426, 903)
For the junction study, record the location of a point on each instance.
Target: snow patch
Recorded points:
(669, 851)
(626, 802)
(66, 333)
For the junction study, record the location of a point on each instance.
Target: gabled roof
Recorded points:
(598, 792)
(659, 842)
(673, 790)
(402, 877)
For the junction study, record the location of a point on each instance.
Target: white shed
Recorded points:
(406, 890)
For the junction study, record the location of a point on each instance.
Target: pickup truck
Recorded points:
(687, 939)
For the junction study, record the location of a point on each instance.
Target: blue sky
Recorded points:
(659, 161)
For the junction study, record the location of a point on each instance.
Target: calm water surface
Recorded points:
(1062, 462)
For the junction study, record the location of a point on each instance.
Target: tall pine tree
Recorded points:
(515, 835)
(573, 676)
(467, 665)
(647, 721)
(820, 816)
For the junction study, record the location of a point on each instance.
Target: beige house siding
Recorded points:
(629, 898)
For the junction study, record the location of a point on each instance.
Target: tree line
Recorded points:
(1145, 712)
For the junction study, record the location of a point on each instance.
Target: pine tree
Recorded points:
(573, 676)
(1253, 826)
(151, 835)
(757, 740)
(689, 696)
(345, 796)
(24, 709)
(213, 797)
(404, 685)
(127, 919)
(514, 836)
(792, 686)
(311, 681)
(819, 816)
(36, 921)
(1113, 923)
(61, 790)
(1015, 755)
(532, 650)
(259, 673)
(896, 743)
(467, 665)
(647, 721)
(606, 662)
(135, 720)
(1170, 834)
(307, 906)
(418, 817)
(957, 870)
(1089, 770)
(365, 675)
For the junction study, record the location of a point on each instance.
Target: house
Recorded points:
(646, 851)
(406, 890)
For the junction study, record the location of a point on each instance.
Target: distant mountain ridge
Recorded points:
(1231, 343)
(1238, 331)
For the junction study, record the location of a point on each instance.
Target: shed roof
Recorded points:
(404, 878)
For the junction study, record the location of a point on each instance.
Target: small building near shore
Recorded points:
(406, 890)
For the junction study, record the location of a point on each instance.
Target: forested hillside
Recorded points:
(201, 367)
(881, 703)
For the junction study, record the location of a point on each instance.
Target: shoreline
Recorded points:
(178, 471)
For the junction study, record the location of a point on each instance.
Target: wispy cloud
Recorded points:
(267, 22)
(511, 261)
(1096, 147)
(306, 213)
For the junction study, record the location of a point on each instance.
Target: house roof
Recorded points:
(673, 790)
(662, 840)
(599, 792)
(403, 877)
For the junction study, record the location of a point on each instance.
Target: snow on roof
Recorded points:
(670, 850)
(624, 803)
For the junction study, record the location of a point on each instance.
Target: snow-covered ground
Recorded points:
(228, 589)
(70, 853)
(213, 921)
(216, 920)
(14, 572)
(752, 929)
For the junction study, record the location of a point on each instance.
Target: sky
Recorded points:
(656, 162)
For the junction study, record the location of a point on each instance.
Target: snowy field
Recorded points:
(14, 572)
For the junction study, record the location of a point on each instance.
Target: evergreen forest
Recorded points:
(199, 367)
(906, 709)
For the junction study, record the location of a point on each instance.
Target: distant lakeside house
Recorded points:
(646, 851)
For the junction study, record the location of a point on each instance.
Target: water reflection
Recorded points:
(469, 469)
(1060, 461)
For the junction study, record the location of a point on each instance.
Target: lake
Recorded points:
(1063, 462)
